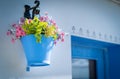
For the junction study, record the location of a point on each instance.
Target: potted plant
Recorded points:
(38, 36)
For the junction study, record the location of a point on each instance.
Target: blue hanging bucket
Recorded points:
(37, 54)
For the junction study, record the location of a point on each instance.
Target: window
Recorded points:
(83, 69)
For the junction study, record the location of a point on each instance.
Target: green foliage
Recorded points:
(39, 28)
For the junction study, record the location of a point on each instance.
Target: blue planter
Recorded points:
(37, 54)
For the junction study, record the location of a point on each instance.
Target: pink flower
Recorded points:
(58, 37)
(62, 34)
(23, 34)
(17, 36)
(22, 20)
(8, 33)
(51, 21)
(14, 25)
(62, 40)
(19, 32)
(46, 13)
(13, 40)
(42, 19)
(30, 20)
(20, 28)
(46, 18)
(17, 27)
(55, 42)
(54, 23)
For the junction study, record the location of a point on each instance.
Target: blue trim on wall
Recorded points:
(112, 65)
(114, 58)
(89, 53)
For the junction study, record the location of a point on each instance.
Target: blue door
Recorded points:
(91, 54)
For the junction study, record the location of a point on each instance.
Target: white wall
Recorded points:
(101, 16)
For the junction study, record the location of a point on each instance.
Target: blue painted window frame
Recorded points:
(97, 44)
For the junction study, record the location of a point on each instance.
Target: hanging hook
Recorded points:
(27, 12)
(35, 10)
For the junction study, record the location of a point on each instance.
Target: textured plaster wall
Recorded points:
(99, 16)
